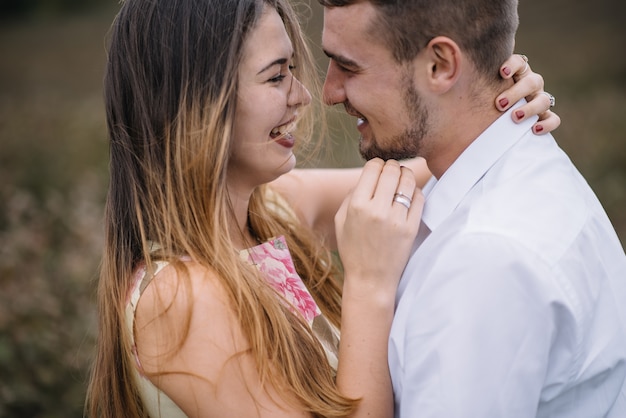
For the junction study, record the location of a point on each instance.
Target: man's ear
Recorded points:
(443, 57)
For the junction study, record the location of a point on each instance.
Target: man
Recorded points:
(513, 303)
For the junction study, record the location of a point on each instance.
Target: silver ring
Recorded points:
(403, 199)
(551, 97)
(525, 69)
(525, 58)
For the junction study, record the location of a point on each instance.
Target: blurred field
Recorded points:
(53, 166)
(53, 169)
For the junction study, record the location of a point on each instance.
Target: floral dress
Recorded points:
(274, 261)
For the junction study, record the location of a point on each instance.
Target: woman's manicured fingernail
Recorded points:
(503, 102)
(519, 114)
(538, 129)
(506, 71)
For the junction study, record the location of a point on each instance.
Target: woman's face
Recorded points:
(267, 106)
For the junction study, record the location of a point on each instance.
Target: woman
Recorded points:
(218, 295)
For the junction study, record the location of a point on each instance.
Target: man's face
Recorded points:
(380, 92)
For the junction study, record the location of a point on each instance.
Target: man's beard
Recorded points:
(409, 143)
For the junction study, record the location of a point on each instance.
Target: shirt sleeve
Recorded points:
(480, 331)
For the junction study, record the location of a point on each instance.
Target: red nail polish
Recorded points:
(538, 129)
(503, 102)
(519, 114)
(506, 71)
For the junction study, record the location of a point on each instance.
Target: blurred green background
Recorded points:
(53, 167)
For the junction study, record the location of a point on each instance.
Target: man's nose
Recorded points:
(333, 91)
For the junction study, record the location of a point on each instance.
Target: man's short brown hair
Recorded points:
(484, 29)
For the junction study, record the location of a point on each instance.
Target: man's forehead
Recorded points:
(348, 38)
(348, 25)
(350, 18)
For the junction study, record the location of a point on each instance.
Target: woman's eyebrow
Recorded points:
(279, 61)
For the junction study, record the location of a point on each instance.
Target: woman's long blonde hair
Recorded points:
(171, 94)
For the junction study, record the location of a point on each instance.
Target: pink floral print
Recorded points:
(273, 259)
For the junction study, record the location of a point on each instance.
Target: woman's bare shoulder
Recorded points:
(192, 347)
(177, 299)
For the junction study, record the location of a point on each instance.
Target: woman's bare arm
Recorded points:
(316, 194)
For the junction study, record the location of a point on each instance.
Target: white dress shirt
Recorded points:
(514, 304)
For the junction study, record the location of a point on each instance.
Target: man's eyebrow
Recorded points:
(343, 61)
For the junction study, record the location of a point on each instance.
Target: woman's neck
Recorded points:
(240, 231)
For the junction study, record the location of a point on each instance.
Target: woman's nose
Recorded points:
(299, 95)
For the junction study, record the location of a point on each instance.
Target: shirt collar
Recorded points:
(444, 195)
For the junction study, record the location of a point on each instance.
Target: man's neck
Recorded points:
(459, 125)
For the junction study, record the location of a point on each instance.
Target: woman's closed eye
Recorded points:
(280, 77)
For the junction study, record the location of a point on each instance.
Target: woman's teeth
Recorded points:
(281, 130)
(360, 121)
